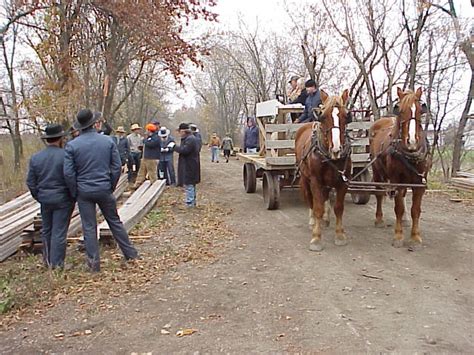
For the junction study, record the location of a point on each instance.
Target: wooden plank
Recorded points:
(358, 142)
(280, 144)
(134, 213)
(25, 205)
(75, 225)
(359, 125)
(10, 222)
(137, 193)
(281, 161)
(284, 127)
(360, 158)
(9, 248)
(261, 136)
(15, 203)
(464, 174)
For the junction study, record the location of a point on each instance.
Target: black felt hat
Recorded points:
(310, 83)
(85, 119)
(183, 126)
(53, 131)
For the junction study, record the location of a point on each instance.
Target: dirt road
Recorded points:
(268, 293)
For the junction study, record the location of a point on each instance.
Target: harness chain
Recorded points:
(316, 143)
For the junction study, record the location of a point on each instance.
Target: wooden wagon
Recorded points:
(275, 164)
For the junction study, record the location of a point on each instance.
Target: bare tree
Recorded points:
(8, 43)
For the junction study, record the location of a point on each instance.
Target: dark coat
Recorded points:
(167, 156)
(301, 99)
(152, 147)
(199, 138)
(46, 178)
(189, 169)
(106, 129)
(91, 163)
(312, 101)
(251, 138)
(123, 147)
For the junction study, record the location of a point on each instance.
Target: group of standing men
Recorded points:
(87, 171)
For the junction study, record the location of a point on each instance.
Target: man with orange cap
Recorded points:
(151, 156)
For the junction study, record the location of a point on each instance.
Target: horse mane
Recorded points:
(330, 103)
(407, 101)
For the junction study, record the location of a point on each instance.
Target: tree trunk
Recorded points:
(458, 138)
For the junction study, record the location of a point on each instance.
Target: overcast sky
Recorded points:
(270, 15)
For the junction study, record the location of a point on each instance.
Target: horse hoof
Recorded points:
(379, 224)
(316, 246)
(414, 243)
(397, 243)
(340, 242)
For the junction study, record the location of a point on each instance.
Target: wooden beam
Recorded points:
(285, 127)
(15, 203)
(280, 161)
(131, 214)
(280, 144)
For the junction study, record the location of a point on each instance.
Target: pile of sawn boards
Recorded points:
(15, 216)
(20, 220)
(136, 206)
(463, 181)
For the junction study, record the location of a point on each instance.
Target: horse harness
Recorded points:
(318, 148)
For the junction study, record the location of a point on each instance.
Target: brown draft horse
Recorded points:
(400, 146)
(323, 158)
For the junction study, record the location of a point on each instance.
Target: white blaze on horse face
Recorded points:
(336, 133)
(412, 127)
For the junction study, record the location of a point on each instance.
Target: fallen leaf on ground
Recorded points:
(183, 332)
(87, 331)
(165, 332)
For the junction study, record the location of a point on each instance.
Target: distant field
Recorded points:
(467, 162)
(12, 183)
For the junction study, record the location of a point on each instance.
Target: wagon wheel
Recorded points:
(271, 190)
(250, 178)
(361, 198)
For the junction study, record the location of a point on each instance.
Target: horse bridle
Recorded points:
(406, 157)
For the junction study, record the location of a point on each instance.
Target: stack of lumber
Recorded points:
(31, 235)
(20, 222)
(75, 226)
(463, 181)
(14, 217)
(136, 206)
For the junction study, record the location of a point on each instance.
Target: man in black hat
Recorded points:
(312, 101)
(189, 170)
(101, 125)
(47, 185)
(92, 168)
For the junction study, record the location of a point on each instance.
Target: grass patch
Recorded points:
(12, 183)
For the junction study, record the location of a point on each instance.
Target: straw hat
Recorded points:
(120, 129)
(135, 126)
